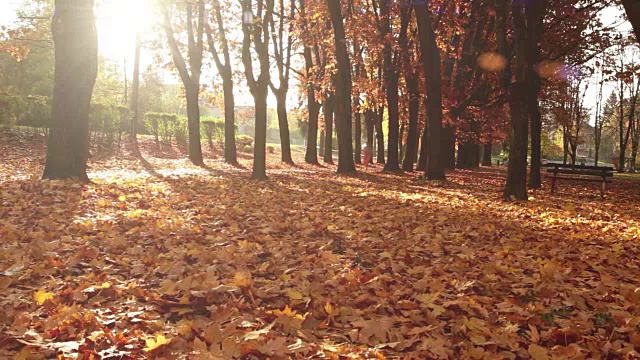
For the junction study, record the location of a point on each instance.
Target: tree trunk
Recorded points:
(468, 155)
(369, 119)
(259, 154)
(433, 72)
(486, 154)
(313, 108)
(230, 156)
(322, 137)
(283, 125)
(328, 108)
(193, 123)
(343, 91)
(76, 67)
(516, 184)
(632, 7)
(357, 154)
(135, 92)
(380, 136)
(412, 134)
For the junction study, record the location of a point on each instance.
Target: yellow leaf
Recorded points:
(122, 198)
(329, 309)
(537, 352)
(294, 295)
(152, 344)
(242, 279)
(41, 296)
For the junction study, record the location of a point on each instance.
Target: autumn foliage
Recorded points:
(159, 258)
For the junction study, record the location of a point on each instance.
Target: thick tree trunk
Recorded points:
(380, 136)
(369, 119)
(535, 22)
(259, 149)
(516, 184)
(283, 125)
(322, 137)
(433, 72)
(135, 93)
(328, 108)
(486, 154)
(311, 154)
(76, 67)
(230, 156)
(632, 7)
(412, 134)
(468, 155)
(193, 123)
(343, 91)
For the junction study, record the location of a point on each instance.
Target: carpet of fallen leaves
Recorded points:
(160, 259)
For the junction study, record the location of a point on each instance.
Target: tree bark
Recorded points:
(516, 184)
(343, 91)
(468, 155)
(432, 69)
(632, 7)
(380, 136)
(283, 126)
(76, 68)
(486, 154)
(357, 154)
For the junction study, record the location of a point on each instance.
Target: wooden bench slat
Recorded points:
(580, 172)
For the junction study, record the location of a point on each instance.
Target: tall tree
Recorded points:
(226, 73)
(282, 55)
(190, 75)
(516, 184)
(313, 105)
(430, 54)
(255, 28)
(343, 91)
(76, 67)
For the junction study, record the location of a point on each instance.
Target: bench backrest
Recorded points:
(578, 167)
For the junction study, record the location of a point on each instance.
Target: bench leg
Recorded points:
(603, 188)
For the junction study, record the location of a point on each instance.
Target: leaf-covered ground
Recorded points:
(158, 258)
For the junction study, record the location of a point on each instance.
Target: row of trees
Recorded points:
(473, 68)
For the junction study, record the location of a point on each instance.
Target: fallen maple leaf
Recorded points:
(42, 296)
(154, 343)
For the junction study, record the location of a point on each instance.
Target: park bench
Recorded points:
(602, 174)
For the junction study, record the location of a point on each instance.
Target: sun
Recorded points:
(118, 21)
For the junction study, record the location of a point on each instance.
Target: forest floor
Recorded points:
(160, 259)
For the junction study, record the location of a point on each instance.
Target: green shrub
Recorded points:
(181, 131)
(161, 125)
(212, 129)
(243, 141)
(10, 108)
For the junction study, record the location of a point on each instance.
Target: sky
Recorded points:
(118, 19)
